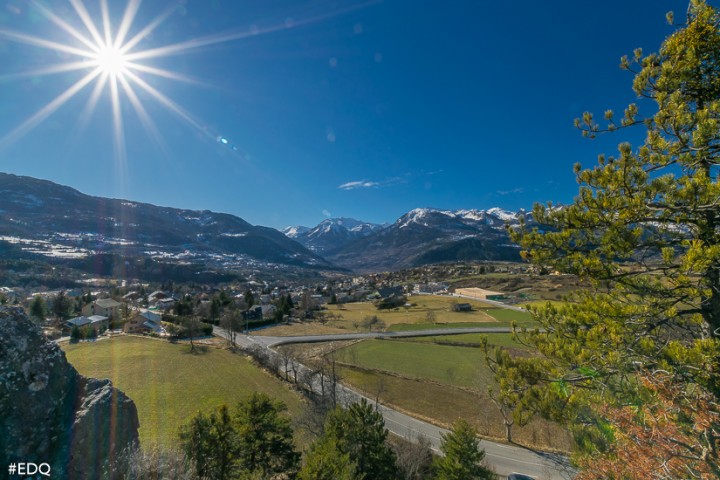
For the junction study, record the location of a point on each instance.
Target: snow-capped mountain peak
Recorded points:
(502, 214)
(332, 233)
(294, 232)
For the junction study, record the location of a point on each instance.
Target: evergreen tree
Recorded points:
(359, 432)
(197, 442)
(254, 442)
(644, 235)
(249, 299)
(215, 306)
(325, 461)
(265, 444)
(61, 306)
(184, 307)
(37, 308)
(462, 456)
(75, 334)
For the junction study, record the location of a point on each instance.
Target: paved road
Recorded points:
(274, 341)
(504, 458)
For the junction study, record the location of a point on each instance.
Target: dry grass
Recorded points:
(437, 383)
(442, 404)
(169, 385)
(347, 317)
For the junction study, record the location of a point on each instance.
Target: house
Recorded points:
(107, 307)
(156, 295)
(97, 322)
(131, 296)
(268, 311)
(144, 322)
(387, 292)
(254, 313)
(166, 303)
(462, 307)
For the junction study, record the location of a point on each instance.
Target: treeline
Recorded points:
(255, 440)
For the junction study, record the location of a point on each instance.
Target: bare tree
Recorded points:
(192, 327)
(380, 388)
(333, 376)
(313, 418)
(413, 457)
(286, 361)
(295, 367)
(232, 322)
(372, 321)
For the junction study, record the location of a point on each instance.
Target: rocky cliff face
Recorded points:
(49, 413)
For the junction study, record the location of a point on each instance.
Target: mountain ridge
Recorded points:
(44, 218)
(80, 225)
(429, 235)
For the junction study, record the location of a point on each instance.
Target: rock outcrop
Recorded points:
(49, 413)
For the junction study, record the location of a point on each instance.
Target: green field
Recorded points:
(170, 385)
(440, 383)
(462, 367)
(497, 339)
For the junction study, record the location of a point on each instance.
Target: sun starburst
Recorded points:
(113, 61)
(106, 54)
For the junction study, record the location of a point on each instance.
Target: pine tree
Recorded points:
(265, 444)
(75, 334)
(644, 234)
(249, 299)
(359, 431)
(37, 309)
(462, 456)
(325, 461)
(61, 306)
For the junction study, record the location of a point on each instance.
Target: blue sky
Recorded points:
(300, 110)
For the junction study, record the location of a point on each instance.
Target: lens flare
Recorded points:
(113, 60)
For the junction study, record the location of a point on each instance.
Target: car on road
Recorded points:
(519, 476)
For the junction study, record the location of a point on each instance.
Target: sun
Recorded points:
(111, 61)
(108, 54)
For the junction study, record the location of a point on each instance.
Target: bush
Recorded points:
(390, 303)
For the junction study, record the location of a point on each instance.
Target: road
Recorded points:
(274, 341)
(505, 459)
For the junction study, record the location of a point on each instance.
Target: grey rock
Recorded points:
(49, 413)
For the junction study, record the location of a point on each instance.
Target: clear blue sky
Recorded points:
(304, 109)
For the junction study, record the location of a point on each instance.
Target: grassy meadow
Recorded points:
(441, 382)
(169, 385)
(426, 312)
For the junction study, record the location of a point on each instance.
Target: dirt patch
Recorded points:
(475, 292)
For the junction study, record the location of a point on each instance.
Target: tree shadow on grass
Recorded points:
(198, 350)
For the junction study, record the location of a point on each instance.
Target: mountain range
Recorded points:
(39, 217)
(421, 236)
(331, 233)
(58, 221)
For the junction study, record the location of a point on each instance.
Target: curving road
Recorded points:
(505, 459)
(274, 341)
